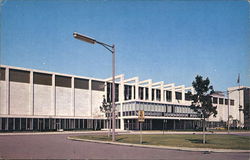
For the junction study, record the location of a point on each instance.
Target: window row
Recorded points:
(155, 107)
(143, 94)
(222, 101)
(46, 79)
(158, 114)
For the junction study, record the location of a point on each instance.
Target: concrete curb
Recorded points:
(48, 133)
(163, 147)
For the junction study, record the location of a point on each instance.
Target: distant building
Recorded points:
(241, 94)
(39, 100)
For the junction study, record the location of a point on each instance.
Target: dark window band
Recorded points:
(63, 81)
(97, 85)
(19, 76)
(2, 74)
(178, 95)
(81, 83)
(42, 78)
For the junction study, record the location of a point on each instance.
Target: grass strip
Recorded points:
(185, 140)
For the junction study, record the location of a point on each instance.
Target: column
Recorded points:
(184, 124)
(144, 93)
(31, 125)
(43, 123)
(20, 122)
(121, 99)
(192, 90)
(31, 95)
(14, 123)
(7, 90)
(132, 95)
(121, 89)
(173, 94)
(150, 90)
(174, 124)
(90, 99)
(7, 124)
(122, 124)
(49, 123)
(105, 90)
(53, 93)
(73, 95)
(79, 123)
(26, 123)
(183, 94)
(162, 92)
(136, 88)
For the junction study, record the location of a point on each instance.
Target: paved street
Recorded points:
(57, 146)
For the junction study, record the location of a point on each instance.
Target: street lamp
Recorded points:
(111, 48)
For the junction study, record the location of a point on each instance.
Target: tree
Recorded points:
(202, 100)
(106, 108)
(96, 116)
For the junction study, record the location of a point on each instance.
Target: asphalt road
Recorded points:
(59, 147)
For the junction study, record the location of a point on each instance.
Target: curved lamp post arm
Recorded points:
(111, 48)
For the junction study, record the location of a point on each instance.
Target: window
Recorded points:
(169, 96)
(116, 92)
(134, 92)
(97, 85)
(215, 100)
(188, 96)
(158, 94)
(42, 78)
(19, 76)
(178, 95)
(81, 83)
(226, 101)
(231, 102)
(141, 93)
(2, 74)
(127, 92)
(63, 81)
(220, 100)
(146, 93)
(173, 109)
(169, 109)
(109, 92)
(153, 94)
(4, 123)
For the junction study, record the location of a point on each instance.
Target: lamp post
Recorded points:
(111, 48)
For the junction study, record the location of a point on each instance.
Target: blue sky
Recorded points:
(170, 41)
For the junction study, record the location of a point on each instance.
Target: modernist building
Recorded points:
(39, 100)
(241, 94)
(237, 109)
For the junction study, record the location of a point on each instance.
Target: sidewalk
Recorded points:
(118, 131)
(60, 132)
(48, 133)
(164, 147)
(189, 132)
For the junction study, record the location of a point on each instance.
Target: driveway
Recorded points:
(57, 146)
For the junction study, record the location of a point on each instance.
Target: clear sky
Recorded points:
(170, 41)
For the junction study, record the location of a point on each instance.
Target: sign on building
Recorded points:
(141, 116)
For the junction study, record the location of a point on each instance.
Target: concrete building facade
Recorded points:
(241, 94)
(39, 100)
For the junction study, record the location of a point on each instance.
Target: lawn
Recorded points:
(194, 141)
